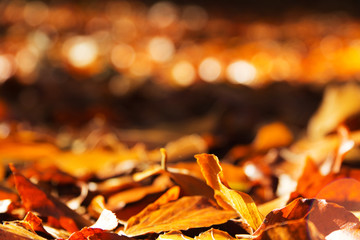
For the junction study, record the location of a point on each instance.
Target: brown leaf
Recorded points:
(344, 191)
(11, 232)
(326, 217)
(185, 213)
(190, 184)
(210, 234)
(294, 229)
(120, 199)
(89, 233)
(34, 199)
(241, 202)
(341, 188)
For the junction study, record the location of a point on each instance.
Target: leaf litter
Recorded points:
(280, 186)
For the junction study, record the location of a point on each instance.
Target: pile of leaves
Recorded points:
(280, 186)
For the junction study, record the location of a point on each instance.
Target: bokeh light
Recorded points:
(35, 12)
(161, 49)
(162, 14)
(122, 56)
(183, 73)
(6, 68)
(241, 72)
(210, 69)
(81, 51)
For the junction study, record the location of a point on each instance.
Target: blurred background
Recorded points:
(173, 67)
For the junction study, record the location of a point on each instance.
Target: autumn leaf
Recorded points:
(187, 212)
(293, 229)
(35, 199)
(11, 232)
(88, 233)
(241, 202)
(210, 234)
(326, 218)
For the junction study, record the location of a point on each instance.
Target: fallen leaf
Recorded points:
(327, 118)
(241, 202)
(11, 232)
(119, 200)
(326, 218)
(106, 221)
(185, 213)
(210, 234)
(293, 229)
(272, 135)
(34, 199)
(173, 235)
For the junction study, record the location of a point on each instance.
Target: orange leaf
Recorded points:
(34, 199)
(326, 217)
(241, 202)
(210, 234)
(294, 229)
(185, 213)
(11, 232)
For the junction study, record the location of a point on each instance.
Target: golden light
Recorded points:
(162, 14)
(122, 56)
(26, 60)
(39, 40)
(280, 69)
(35, 13)
(81, 51)
(241, 72)
(161, 49)
(142, 66)
(210, 69)
(6, 68)
(183, 73)
(195, 17)
(124, 30)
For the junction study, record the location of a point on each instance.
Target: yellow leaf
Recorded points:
(241, 202)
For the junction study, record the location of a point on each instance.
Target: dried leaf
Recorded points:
(120, 199)
(185, 213)
(212, 234)
(11, 232)
(328, 118)
(85, 233)
(34, 199)
(106, 221)
(344, 192)
(241, 202)
(326, 217)
(173, 235)
(294, 229)
(272, 135)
